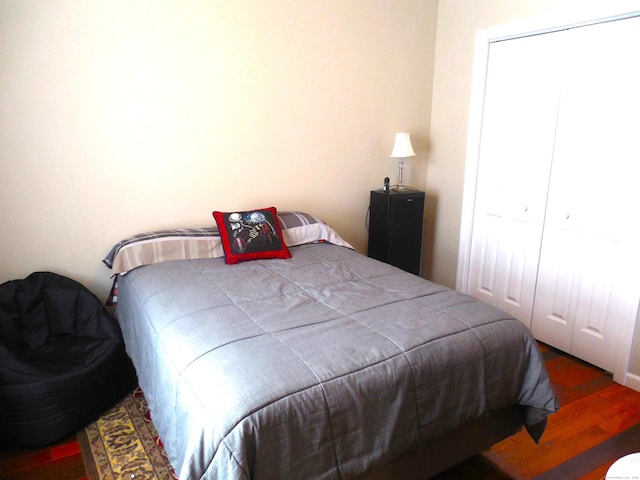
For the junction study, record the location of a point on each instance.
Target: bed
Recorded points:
(324, 365)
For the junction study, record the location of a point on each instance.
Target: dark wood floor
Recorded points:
(62, 461)
(580, 439)
(594, 411)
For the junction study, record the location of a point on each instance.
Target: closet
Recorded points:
(553, 234)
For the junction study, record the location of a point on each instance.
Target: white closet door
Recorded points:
(518, 126)
(592, 211)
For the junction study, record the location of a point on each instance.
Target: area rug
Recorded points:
(124, 444)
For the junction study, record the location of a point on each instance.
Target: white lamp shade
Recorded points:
(402, 147)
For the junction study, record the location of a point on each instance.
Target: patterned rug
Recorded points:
(124, 444)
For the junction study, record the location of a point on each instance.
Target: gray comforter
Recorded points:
(321, 366)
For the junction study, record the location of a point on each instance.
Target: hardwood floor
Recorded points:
(589, 432)
(598, 422)
(62, 461)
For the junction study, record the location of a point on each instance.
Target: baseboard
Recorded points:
(632, 381)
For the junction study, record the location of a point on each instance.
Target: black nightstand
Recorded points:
(395, 228)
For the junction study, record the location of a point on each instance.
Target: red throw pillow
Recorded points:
(251, 235)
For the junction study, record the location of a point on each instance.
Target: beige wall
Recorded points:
(118, 117)
(458, 21)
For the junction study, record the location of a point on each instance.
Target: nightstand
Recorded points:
(395, 228)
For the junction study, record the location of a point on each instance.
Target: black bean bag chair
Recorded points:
(62, 360)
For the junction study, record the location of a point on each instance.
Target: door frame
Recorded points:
(483, 40)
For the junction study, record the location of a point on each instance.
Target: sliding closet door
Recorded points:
(518, 125)
(586, 261)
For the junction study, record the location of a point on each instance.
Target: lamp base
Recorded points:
(403, 188)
